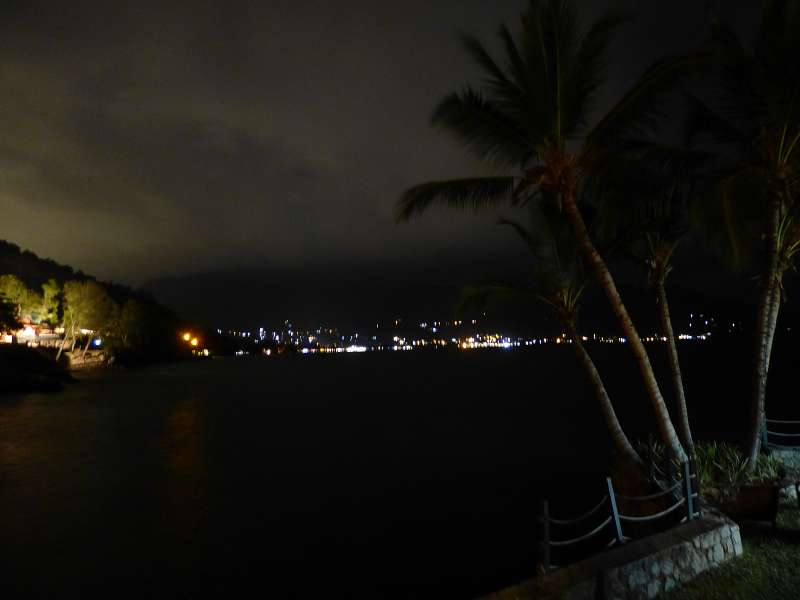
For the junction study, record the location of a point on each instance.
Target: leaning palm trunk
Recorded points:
(86, 348)
(606, 281)
(684, 430)
(763, 338)
(64, 340)
(775, 308)
(61, 347)
(621, 442)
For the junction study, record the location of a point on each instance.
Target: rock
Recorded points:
(737, 546)
(719, 553)
(667, 567)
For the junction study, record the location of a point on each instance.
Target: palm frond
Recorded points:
(495, 74)
(523, 233)
(483, 128)
(731, 215)
(519, 71)
(533, 109)
(555, 265)
(549, 43)
(777, 46)
(704, 123)
(588, 71)
(639, 111)
(472, 193)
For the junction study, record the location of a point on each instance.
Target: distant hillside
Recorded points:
(347, 295)
(32, 269)
(35, 271)
(357, 296)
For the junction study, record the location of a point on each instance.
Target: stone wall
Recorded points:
(640, 569)
(677, 563)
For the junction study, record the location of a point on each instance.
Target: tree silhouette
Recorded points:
(751, 118)
(531, 118)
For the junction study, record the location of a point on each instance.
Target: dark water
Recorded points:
(378, 475)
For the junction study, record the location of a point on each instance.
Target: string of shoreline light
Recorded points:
(472, 342)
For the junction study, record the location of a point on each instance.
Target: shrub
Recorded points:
(720, 466)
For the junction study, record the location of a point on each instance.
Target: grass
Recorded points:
(769, 568)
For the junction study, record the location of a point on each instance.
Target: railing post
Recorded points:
(614, 512)
(687, 486)
(764, 435)
(544, 535)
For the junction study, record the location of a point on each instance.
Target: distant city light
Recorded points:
(429, 336)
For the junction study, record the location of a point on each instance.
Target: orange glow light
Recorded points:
(187, 337)
(194, 342)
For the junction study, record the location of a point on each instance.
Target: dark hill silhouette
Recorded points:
(34, 271)
(356, 296)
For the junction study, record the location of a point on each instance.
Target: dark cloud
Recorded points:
(146, 139)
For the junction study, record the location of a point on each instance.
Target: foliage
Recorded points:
(724, 466)
(8, 315)
(134, 328)
(28, 303)
(749, 115)
(555, 278)
(33, 269)
(87, 305)
(130, 328)
(51, 301)
(531, 118)
(535, 103)
(720, 466)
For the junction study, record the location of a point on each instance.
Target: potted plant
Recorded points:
(742, 493)
(728, 484)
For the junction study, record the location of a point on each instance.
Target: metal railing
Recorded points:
(768, 435)
(792, 472)
(608, 519)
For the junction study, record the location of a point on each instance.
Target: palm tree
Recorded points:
(753, 121)
(645, 202)
(557, 280)
(531, 118)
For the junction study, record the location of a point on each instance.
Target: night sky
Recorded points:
(140, 141)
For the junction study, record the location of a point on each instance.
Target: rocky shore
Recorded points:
(24, 369)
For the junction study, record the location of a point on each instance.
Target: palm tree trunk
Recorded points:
(606, 281)
(621, 443)
(86, 348)
(684, 430)
(763, 339)
(64, 341)
(772, 325)
(775, 308)
(61, 348)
